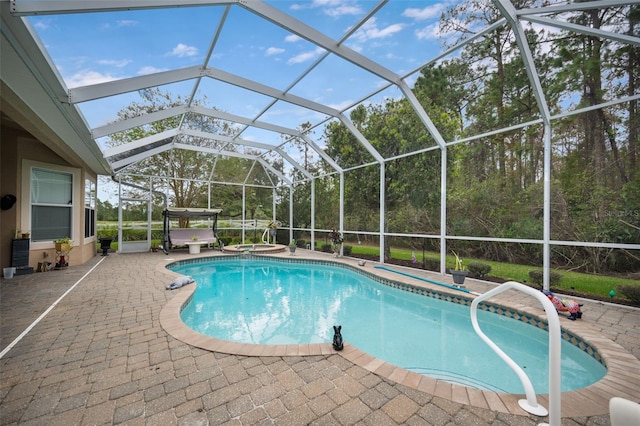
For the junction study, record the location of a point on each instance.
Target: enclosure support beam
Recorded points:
(443, 210)
(313, 214)
(341, 224)
(273, 210)
(244, 208)
(546, 226)
(382, 211)
(290, 212)
(119, 215)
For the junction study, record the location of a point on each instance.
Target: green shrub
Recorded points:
(431, 264)
(326, 248)
(226, 240)
(537, 277)
(477, 269)
(108, 233)
(301, 243)
(631, 292)
(346, 249)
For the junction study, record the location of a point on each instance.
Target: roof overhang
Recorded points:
(31, 96)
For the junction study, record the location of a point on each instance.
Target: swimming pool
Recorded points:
(269, 302)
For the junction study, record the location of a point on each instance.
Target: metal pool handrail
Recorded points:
(530, 404)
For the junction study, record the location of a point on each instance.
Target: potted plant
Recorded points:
(292, 246)
(273, 231)
(26, 235)
(63, 244)
(63, 247)
(105, 244)
(458, 272)
(336, 242)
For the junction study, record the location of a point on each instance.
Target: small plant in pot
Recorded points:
(63, 247)
(458, 272)
(63, 244)
(336, 241)
(292, 246)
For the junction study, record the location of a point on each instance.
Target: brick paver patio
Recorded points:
(101, 357)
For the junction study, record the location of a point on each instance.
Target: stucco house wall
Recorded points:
(20, 152)
(39, 128)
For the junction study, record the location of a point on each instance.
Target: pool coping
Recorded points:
(590, 401)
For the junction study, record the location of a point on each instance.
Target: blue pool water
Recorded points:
(270, 302)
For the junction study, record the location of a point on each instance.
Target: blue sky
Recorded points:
(99, 47)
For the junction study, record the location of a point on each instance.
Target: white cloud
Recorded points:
(273, 51)
(342, 10)
(150, 70)
(292, 38)
(127, 23)
(333, 8)
(370, 30)
(342, 105)
(87, 78)
(182, 50)
(430, 32)
(305, 56)
(118, 63)
(41, 24)
(428, 12)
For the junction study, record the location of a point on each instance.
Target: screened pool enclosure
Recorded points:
(502, 130)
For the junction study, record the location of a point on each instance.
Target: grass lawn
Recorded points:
(596, 285)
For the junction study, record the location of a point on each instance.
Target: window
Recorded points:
(89, 208)
(51, 204)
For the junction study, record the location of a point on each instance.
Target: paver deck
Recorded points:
(101, 356)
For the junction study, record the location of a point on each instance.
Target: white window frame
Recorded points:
(77, 190)
(86, 199)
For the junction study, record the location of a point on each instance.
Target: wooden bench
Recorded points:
(182, 236)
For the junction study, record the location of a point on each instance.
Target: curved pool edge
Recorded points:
(589, 401)
(257, 249)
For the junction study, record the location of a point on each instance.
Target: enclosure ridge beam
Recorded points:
(226, 139)
(223, 138)
(132, 84)
(214, 151)
(233, 154)
(139, 157)
(316, 37)
(214, 113)
(509, 12)
(294, 163)
(55, 7)
(422, 114)
(263, 89)
(575, 7)
(141, 120)
(322, 153)
(277, 173)
(139, 143)
(623, 38)
(365, 143)
(207, 57)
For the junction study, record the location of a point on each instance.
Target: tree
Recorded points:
(183, 171)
